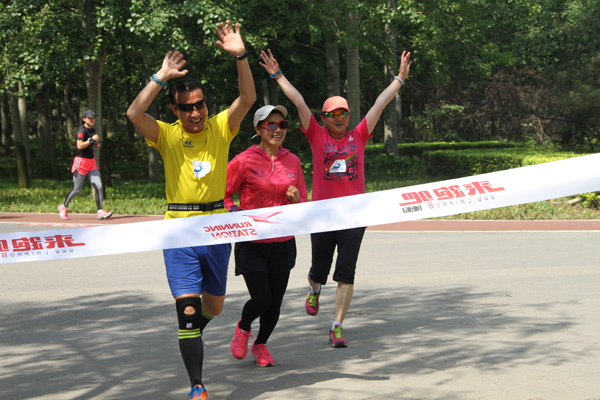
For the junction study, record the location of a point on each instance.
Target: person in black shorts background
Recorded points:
(84, 165)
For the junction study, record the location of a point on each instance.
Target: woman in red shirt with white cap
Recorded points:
(265, 175)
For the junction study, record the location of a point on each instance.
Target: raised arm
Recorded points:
(271, 65)
(146, 124)
(388, 94)
(230, 40)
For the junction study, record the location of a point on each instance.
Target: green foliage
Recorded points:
(138, 196)
(452, 160)
(426, 122)
(574, 79)
(393, 165)
(453, 164)
(557, 209)
(514, 70)
(419, 148)
(8, 167)
(590, 200)
(51, 169)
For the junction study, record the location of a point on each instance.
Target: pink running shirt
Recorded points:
(338, 165)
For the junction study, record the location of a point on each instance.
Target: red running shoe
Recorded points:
(312, 303)
(263, 357)
(239, 344)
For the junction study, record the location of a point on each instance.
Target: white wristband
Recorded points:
(400, 79)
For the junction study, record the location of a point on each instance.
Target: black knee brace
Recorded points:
(189, 321)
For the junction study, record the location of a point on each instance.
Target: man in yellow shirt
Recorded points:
(195, 154)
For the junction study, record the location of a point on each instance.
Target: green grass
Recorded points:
(557, 209)
(145, 198)
(44, 196)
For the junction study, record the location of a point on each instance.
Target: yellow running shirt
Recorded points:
(195, 163)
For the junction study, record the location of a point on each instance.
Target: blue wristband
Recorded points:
(161, 83)
(276, 73)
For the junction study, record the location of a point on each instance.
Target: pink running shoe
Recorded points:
(336, 339)
(63, 212)
(312, 303)
(104, 214)
(239, 344)
(263, 357)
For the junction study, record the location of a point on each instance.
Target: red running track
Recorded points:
(78, 220)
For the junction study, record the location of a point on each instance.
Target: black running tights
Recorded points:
(266, 295)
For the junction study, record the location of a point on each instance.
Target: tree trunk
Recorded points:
(273, 92)
(94, 67)
(391, 118)
(353, 68)
(71, 117)
(93, 75)
(153, 165)
(42, 104)
(332, 57)
(399, 116)
(153, 154)
(6, 139)
(19, 139)
(22, 104)
(270, 91)
(129, 95)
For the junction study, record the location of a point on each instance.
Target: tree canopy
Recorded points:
(483, 69)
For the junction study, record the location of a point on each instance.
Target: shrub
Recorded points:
(392, 165)
(454, 164)
(590, 200)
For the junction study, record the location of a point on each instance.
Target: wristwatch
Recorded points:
(242, 56)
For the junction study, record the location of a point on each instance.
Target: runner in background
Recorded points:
(338, 170)
(84, 165)
(265, 175)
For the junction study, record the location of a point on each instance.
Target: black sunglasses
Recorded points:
(189, 107)
(271, 126)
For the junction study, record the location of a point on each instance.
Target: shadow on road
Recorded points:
(121, 345)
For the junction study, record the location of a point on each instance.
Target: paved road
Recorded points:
(439, 313)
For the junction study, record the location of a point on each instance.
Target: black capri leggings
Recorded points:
(323, 246)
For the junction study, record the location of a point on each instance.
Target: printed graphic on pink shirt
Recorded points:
(340, 162)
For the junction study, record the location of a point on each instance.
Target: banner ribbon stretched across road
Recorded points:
(480, 192)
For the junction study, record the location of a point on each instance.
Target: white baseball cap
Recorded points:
(263, 112)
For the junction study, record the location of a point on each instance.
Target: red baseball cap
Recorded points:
(335, 103)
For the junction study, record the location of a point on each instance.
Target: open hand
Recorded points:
(172, 66)
(404, 65)
(270, 63)
(230, 38)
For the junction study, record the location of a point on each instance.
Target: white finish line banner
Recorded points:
(480, 192)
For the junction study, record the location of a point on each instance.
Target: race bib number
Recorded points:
(338, 166)
(201, 168)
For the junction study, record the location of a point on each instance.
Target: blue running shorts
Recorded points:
(198, 269)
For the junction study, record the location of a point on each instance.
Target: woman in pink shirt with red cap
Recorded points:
(338, 170)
